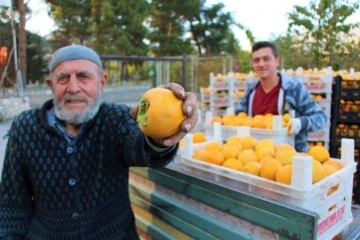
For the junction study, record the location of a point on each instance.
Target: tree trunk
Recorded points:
(22, 40)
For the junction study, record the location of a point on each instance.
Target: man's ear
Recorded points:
(278, 60)
(103, 82)
(49, 82)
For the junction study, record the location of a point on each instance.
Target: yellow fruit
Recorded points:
(214, 156)
(334, 163)
(317, 171)
(235, 144)
(199, 154)
(265, 159)
(198, 137)
(234, 138)
(216, 119)
(182, 143)
(248, 142)
(252, 168)
(268, 123)
(258, 121)
(285, 156)
(238, 121)
(283, 174)
(247, 122)
(233, 163)
(228, 120)
(229, 151)
(265, 152)
(328, 170)
(270, 168)
(319, 153)
(269, 116)
(247, 155)
(286, 117)
(284, 146)
(265, 143)
(160, 113)
(242, 115)
(213, 145)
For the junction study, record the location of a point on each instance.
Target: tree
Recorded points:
(168, 36)
(36, 49)
(22, 9)
(73, 20)
(322, 27)
(118, 26)
(211, 30)
(188, 26)
(119, 30)
(292, 53)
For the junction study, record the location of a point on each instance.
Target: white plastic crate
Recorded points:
(204, 96)
(219, 100)
(322, 135)
(323, 83)
(278, 134)
(325, 105)
(218, 82)
(334, 210)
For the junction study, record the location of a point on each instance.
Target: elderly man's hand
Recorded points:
(189, 110)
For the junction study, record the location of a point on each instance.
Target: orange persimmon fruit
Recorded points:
(160, 113)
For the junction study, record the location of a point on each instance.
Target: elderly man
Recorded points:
(66, 167)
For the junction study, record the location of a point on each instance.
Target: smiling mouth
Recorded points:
(75, 101)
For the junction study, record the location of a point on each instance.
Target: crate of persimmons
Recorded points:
(265, 126)
(311, 180)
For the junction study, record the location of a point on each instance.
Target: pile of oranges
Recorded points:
(264, 158)
(257, 121)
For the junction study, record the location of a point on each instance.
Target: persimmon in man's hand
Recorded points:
(160, 113)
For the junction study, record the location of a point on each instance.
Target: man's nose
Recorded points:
(73, 86)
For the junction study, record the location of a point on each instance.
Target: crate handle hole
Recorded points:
(332, 189)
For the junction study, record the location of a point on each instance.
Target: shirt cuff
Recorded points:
(156, 148)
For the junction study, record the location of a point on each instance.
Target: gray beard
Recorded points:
(76, 117)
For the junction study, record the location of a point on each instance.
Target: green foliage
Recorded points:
(244, 59)
(73, 20)
(167, 33)
(142, 27)
(211, 31)
(119, 28)
(321, 29)
(36, 48)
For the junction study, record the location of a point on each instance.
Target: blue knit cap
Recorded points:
(74, 52)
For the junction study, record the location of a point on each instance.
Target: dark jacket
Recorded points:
(52, 188)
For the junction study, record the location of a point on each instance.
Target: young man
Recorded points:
(279, 94)
(65, 174)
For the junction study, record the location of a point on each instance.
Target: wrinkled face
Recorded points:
(77, 86)
(264, 62)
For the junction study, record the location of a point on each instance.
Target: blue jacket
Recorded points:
(293, 95)
(53, 188)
